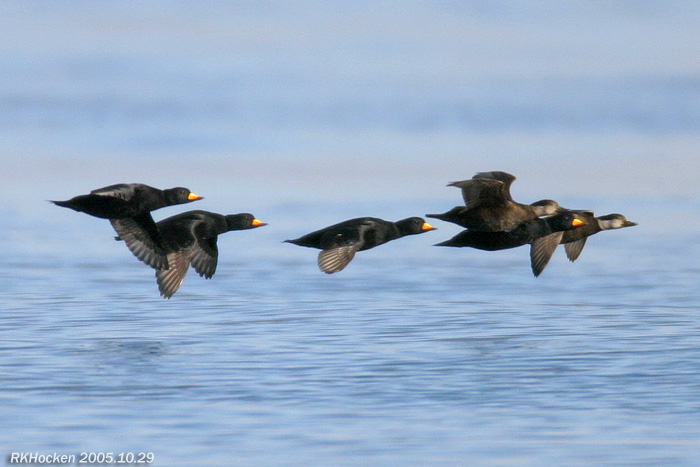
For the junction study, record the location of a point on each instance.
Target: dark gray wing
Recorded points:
(187, 245)
(141, 237)
(339, 246)
(574, 249)
(169, 280)
(504, 177)
(180, 236)
(335, 259)
(482, 191)
(205, 254)
(204, 262)
(541, 251)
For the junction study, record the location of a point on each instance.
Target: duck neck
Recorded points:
(604, 224)
(169, 198)
(400, 230)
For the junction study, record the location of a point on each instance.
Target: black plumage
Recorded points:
(339, 242)
(489, 205)
(542, 234)
(128, 207)
(190, 238)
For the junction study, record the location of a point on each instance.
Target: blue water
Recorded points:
(310, 114)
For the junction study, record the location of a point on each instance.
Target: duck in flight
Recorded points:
(128, 207)
(489, 205)
(543, 235)
(339, 242)
(190, 238)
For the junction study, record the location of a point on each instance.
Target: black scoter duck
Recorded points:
(128, 207)
(542, 234)
(190, 239)
(341, 241)
(489, 205)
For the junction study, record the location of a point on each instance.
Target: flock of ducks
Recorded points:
(494, 221)
(491, 218)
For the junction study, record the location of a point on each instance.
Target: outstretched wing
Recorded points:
(541, 251)
(141, 237)
(188, 244)
(483, 191)
(205, 258)
(205, 253)
(504, 177)
(335, 259)
(169, 280)
(574, 249)
(340, 245)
